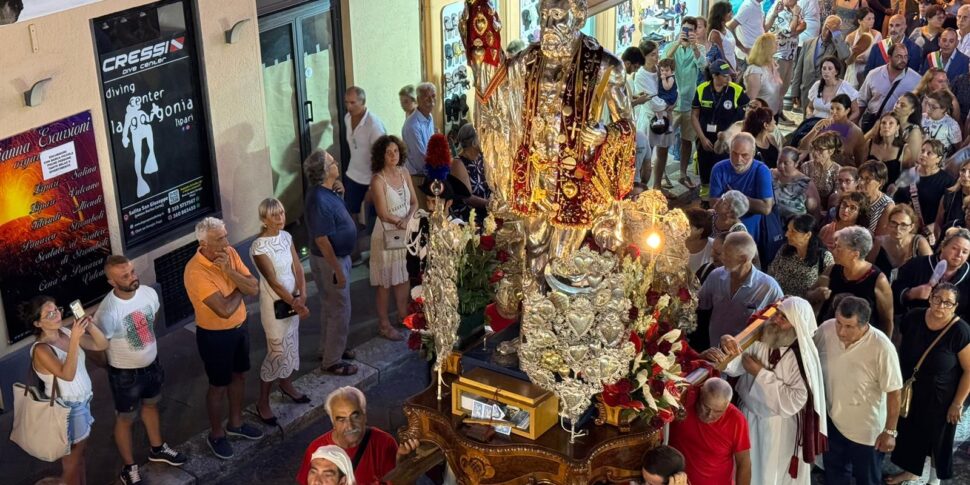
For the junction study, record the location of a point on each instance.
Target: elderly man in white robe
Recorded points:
(782, 395)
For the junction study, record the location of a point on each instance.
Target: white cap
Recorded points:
(337, 456)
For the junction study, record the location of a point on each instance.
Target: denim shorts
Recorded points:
(129, 387)
(79, 420)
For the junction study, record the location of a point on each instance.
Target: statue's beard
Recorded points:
(774, 337)
(558, 45)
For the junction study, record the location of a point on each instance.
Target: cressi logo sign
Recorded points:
(139, 56)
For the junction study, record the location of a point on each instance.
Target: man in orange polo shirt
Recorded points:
(216, 281)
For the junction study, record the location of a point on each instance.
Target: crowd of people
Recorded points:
(852, 225)
(856, 218)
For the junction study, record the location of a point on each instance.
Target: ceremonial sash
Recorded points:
(884, 49)
(936, 60)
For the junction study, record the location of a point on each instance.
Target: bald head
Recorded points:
(717, 389)
(897, 27)
(963, 19)
(714, 400)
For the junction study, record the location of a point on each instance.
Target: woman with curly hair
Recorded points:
(395, 201)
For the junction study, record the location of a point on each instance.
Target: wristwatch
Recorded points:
(891, 432)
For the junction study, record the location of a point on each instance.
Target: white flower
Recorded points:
(663, 302)
(417, 292)
(672, 335)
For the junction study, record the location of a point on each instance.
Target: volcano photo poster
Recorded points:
(157, 123)
(53, 231)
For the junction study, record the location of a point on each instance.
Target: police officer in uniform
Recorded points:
(718, 103)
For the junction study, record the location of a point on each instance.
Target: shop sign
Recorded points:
(53, 229)
(13, 11)
(156, 123)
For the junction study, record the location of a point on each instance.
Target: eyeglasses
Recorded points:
(938, 301)
(55, 313)
(865, 180)
(850, 208)
(903, 225)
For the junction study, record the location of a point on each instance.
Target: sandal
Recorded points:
(391, 334)
(666, 183)
(900, 478)
(349, 354)
(687, 183)
(341, 369)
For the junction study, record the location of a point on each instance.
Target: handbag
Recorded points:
(395, 238)
(906, 394)
(40, 425)
(282, 309)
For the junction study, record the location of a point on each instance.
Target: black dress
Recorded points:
(917, 271)
(953, 215)
(864, 288)
(926, 431)
(893, 166)
(768, 156)
(929, 191)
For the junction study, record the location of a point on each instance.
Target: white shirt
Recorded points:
(857, 379)
(361, 140)
(813, 23)
(877, 85)
(78, 389)
(751, 24)
(964, 45)
(822, 109)
(698, 259)
(129, 326)
(945, 129)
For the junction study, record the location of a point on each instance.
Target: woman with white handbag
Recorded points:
(58, 359)
(395, 201)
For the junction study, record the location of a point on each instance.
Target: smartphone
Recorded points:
(77, 309)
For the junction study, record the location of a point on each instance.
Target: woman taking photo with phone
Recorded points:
(57, 357)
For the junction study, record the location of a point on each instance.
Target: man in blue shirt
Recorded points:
(750, 177)
(733, 292)
(333, 235)
(417, 130)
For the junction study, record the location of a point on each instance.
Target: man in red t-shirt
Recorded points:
(713, 437)
(347, 409)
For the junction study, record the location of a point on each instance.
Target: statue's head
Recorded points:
(560, 21)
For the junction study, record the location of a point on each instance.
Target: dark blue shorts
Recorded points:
(354, 194)
(223, 352)
(133, 386)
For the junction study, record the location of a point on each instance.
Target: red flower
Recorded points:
(495, 319)
(619, 395)
(502, 256)
(664, 347)
(656, 387)
(656, 370)
(652, 298)
(652, 347)
(496, 276)
(499, 223)
(633, 250)
(637, 343)
(665, 415)
(634, 313)
(487, 243)
(414, 341)
(656, 422)
(683, 294)
(673, 389)
(415, 321)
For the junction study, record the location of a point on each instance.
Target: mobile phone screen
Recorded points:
(77, 309)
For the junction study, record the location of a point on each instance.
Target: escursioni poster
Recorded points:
(156, 120)
(53, 228)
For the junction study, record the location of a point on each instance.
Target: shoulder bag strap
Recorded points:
(889, 94)
(361, 447)
(55, 390)
(938, 337)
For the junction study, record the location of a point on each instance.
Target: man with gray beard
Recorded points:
(782, 395)
(374, 452)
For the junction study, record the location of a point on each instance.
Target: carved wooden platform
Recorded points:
(604, 455)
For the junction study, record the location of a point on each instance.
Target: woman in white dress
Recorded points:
(58, 354)
(395, 201)
(722, 40)
(282, 278)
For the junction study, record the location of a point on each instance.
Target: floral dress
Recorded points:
(790, 197)
(794, 276)
(824, 178)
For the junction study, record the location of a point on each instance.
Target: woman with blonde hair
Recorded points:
(282, 280)
(934, 80)
(762, 78)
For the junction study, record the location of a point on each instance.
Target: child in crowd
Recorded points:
(937, 123)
